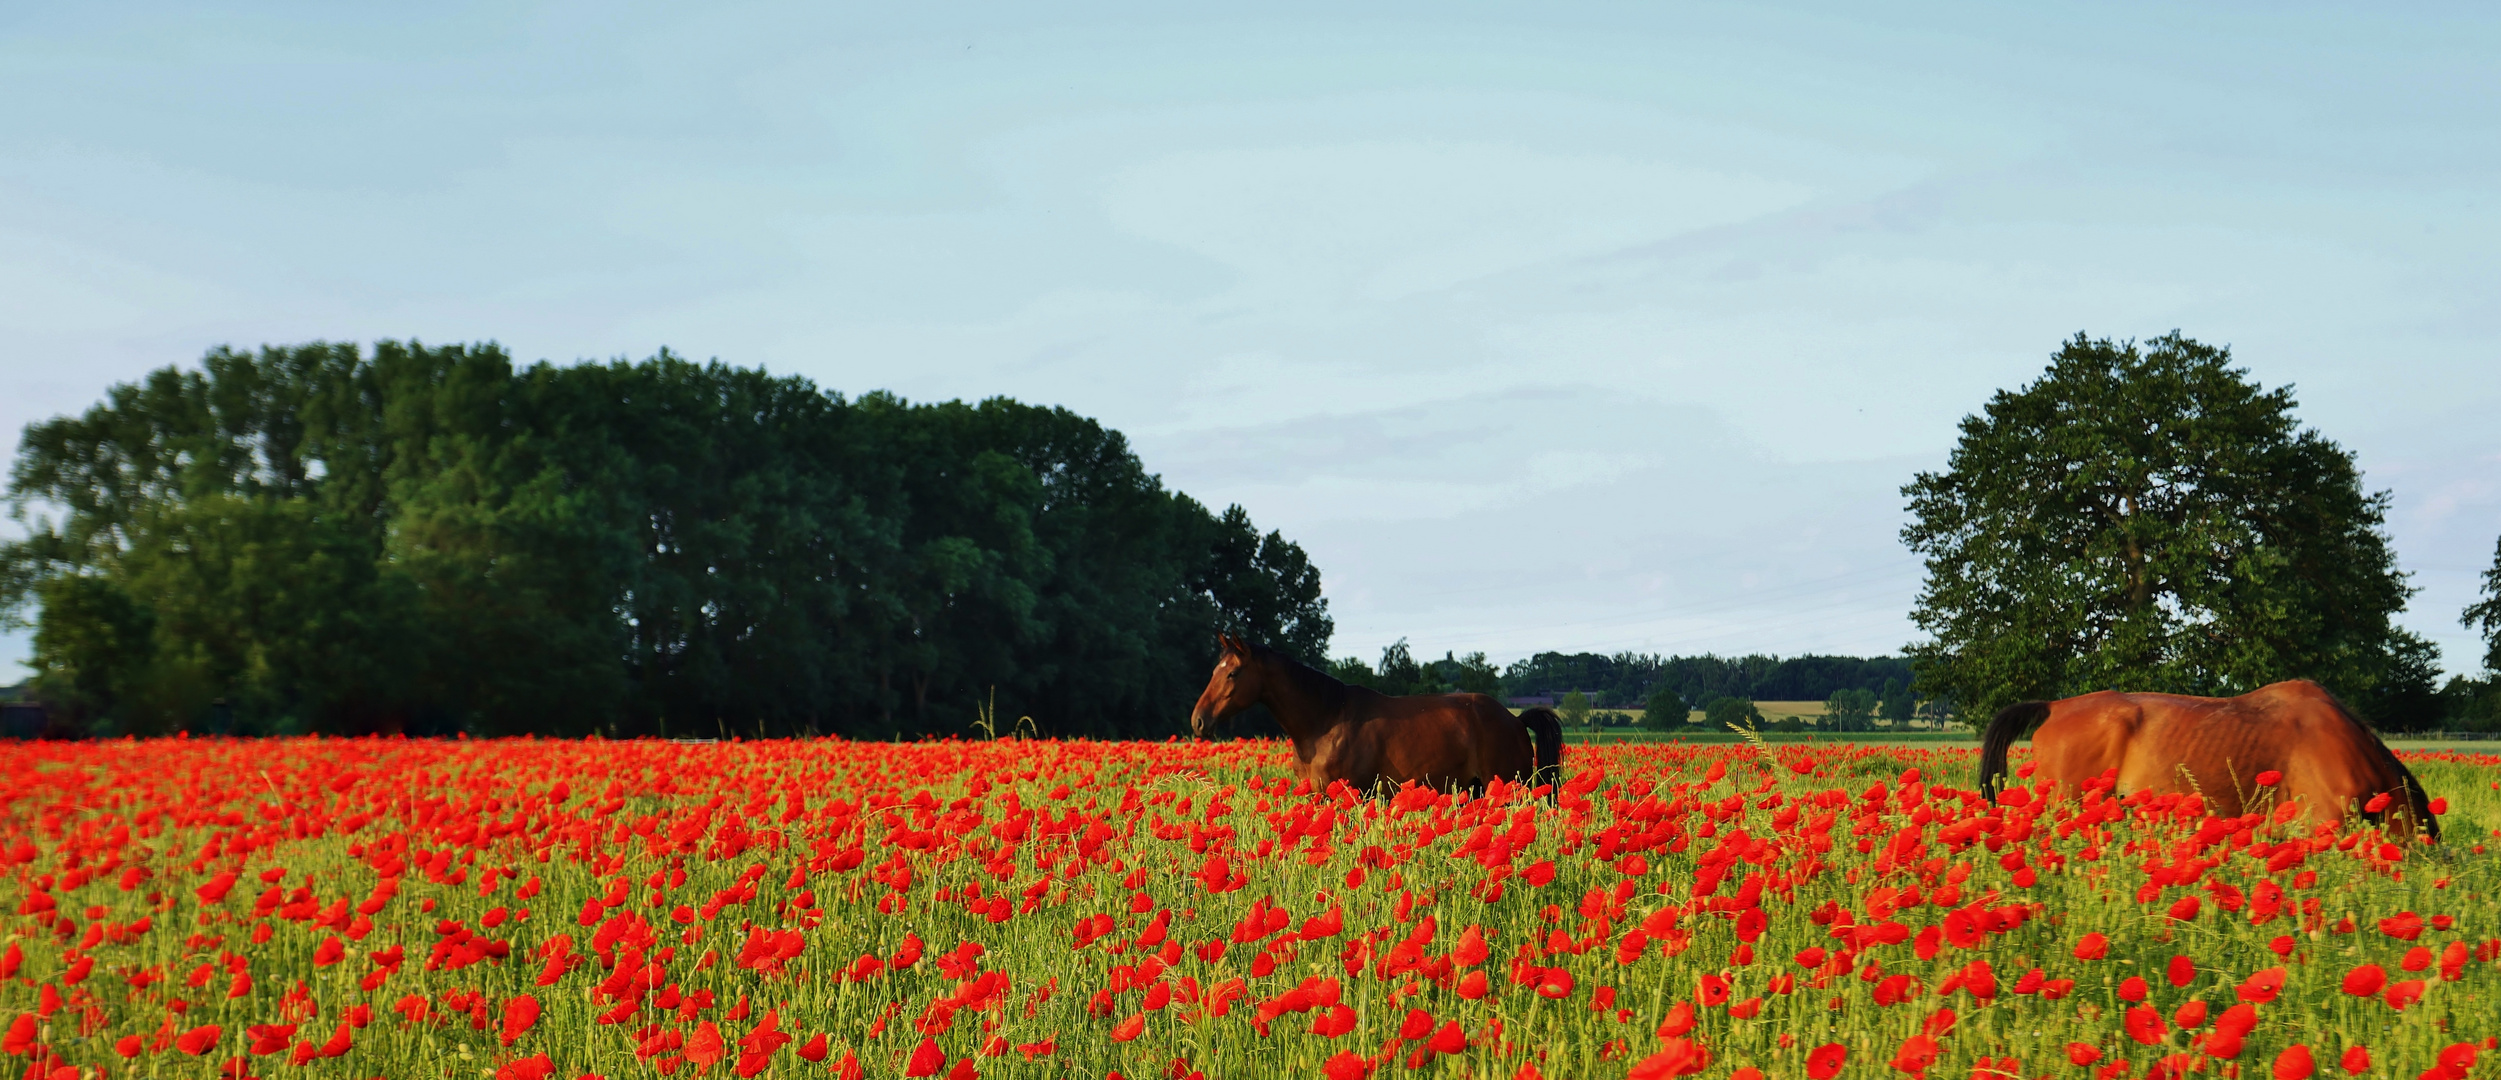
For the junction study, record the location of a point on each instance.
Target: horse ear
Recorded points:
(1225, 643)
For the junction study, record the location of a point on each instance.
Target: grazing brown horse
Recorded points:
(1366, 738)
(2216, 747)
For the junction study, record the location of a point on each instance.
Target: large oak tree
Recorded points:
(2146, 517)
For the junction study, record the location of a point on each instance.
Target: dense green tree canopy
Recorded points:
(1723, 713)
(1664, 711)
(2148, 518)
(1575, 708)
(429, 539)
(1850, 710)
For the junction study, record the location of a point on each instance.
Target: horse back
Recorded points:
(2215, 746)
(1442, 737)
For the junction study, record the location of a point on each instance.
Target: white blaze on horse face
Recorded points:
(1231, 671)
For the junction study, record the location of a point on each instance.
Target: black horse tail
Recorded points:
(2010, 724)
(1546, 730)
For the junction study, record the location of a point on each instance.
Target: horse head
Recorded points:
(1231, 688)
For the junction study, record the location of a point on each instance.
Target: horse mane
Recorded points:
(2417, 800)
(1310, 680)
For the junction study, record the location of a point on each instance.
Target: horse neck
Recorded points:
(1303, 709)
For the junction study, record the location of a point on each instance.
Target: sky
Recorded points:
(1540, 327)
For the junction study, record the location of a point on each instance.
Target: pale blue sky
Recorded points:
(1541, 327)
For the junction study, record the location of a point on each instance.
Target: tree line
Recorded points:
(433, 539)
(1638, 680)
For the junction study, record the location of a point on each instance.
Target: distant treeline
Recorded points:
(1629, 680)
(433, 540)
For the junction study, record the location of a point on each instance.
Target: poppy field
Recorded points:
(532, 909)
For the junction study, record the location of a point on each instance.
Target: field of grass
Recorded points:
(521, 910)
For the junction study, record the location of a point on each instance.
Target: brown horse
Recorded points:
(1367, 738)
(2216, 747)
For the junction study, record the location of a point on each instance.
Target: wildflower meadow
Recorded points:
(532, 909)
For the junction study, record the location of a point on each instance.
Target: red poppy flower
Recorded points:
(2294, 1063)
(1961, 930)
(705, 1047)
(2082, 1054)
(199, 1040)
(2262, 987)
(1130, 1028)
(534, 1067)
(1679, 1020)
(21, 1037)
(2365, 980)
(1938, 1023)
(1676, 1057)
(927, 1059)
(1555, 983)
(2146, 1026)
(1751, 923)
(1333, 1021)
(2132, 989)
(1917, 1053)
(1824, 1062)
(1712, 991)
(519, 1014)
(2356, 1060)
(2403, 994)
(1347, 1065)
(2182, 971)
(2191, 1016)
